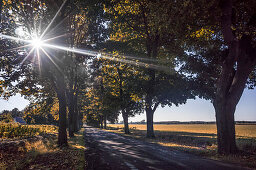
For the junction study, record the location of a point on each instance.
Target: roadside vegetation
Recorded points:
(16, 130)
(199, 139)
(42, 152)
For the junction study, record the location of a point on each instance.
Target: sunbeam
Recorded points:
(38, 59)
(27, 56)
(50, 58)
(14, 38)
(56, 37)
(57, 13)
(20, 47)
(112, 57)
(39, 44)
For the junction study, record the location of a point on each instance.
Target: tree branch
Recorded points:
(226, 21)
(155, 107)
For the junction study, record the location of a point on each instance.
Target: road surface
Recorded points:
(106, 150)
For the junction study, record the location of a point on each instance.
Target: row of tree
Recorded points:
(153, 53)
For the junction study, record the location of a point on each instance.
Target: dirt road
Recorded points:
(108, 150)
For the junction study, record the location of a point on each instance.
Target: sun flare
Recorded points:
(37, 43)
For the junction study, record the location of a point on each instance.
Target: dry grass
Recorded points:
(198, 139)
(44, 154)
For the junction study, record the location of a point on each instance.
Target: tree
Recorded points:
(239, 62)
(74, 71)
(138, 25)
(225, 48)
(31, 14)
(99, 106)
(121, 80)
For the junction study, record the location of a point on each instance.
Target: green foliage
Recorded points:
(6, 118)
(9, 58)
(45, 112)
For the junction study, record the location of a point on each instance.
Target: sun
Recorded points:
(37, 43)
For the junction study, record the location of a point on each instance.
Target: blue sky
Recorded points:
(198, 109)
(15, 101)
(202, 110)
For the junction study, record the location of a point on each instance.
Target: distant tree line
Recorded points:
(194, 122)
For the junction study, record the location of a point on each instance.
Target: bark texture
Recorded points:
(126, 124)
(62, 135)
(76, 115)
(225, 128)
(150, 127)
(71, 117)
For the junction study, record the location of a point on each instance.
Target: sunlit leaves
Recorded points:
(45, 112)
(203, 33)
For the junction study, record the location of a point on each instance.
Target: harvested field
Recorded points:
(241, 130)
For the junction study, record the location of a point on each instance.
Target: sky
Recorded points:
(202, 110)
(193, 110)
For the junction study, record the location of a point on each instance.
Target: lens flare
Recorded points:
(37, 43)
(40, 42)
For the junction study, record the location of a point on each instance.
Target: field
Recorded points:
(198, 139)
(241, 130)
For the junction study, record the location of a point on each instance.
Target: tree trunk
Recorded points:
(152, 50)
(126, 124)
(62, 135)
(71, 115)
(76, 116)
(79, 117)
(225, 127)
(150, 126)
